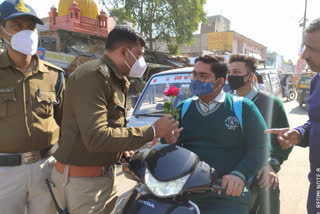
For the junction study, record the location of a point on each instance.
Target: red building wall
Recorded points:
(77, 23)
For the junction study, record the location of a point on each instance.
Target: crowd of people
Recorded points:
(74, 132)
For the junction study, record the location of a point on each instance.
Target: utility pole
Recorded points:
(304, 22)
(301, 63)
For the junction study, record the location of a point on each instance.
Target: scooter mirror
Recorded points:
(137, 166)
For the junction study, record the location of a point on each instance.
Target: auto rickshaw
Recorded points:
(303, 87)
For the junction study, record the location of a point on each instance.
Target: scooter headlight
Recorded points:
(164, 189)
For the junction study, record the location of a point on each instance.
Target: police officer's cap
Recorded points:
(10, 9)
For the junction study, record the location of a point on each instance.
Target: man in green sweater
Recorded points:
(235, 147)
(266, 184)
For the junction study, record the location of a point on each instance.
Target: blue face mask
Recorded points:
(201, 88)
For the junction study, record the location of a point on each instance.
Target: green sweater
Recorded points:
(216, 137)
(273, 112)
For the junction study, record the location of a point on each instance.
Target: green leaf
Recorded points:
(167, 107)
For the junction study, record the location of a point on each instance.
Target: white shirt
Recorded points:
(251, 94)
(205, 107)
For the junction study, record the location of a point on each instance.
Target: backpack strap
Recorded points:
(185, 107)
(59, 86)
(237, 108)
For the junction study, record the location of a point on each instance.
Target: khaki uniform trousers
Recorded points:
(23, 188)
(94, 195)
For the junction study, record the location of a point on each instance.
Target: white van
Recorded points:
(149, 106)
(269, 78)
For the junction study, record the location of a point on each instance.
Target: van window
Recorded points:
(152, 99)
(275, 84)
(267, 83)
(305, 79)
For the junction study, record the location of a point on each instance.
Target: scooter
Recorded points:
(165, 175)
(289, 93)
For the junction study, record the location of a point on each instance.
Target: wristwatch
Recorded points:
(275, 164)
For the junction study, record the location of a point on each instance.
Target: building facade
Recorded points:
(216, 36)
(80, 16)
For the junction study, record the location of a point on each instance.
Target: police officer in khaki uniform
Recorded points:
(94, 132)
(30, 113)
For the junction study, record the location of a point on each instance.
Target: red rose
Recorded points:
(172, 91)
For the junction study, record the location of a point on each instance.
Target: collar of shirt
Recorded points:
(38, 65)
(205, 107)
(251, 94)
(113, 66)
(115, 69)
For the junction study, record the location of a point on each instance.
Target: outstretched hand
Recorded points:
(165, 126)
(286, 137)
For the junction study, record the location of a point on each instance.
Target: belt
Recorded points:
(82, 171)
(17, 159)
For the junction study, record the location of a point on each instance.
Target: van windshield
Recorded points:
(152, 100)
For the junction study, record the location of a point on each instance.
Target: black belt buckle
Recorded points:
(30, 157)
(27, 157)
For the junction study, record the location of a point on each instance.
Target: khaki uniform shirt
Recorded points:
(93, 131)
(28, 117)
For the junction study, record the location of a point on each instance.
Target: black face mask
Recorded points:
(236, 82)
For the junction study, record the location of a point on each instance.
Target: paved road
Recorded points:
(293, 175)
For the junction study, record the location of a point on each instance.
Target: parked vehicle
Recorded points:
(149, 106)
(269, 81)
(162, 186)
(303, 87)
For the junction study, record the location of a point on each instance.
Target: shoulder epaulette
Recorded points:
(104, 70)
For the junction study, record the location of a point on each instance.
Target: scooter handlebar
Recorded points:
(217, 185)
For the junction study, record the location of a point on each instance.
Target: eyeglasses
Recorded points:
(200, 77)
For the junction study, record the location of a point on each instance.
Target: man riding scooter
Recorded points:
(221, 136)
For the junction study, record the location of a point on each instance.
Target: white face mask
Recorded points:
(25, 41)
(138, 68)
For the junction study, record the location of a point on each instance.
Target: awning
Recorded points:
(178, 64)
(154, 65)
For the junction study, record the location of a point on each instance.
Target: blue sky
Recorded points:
(273, 23)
